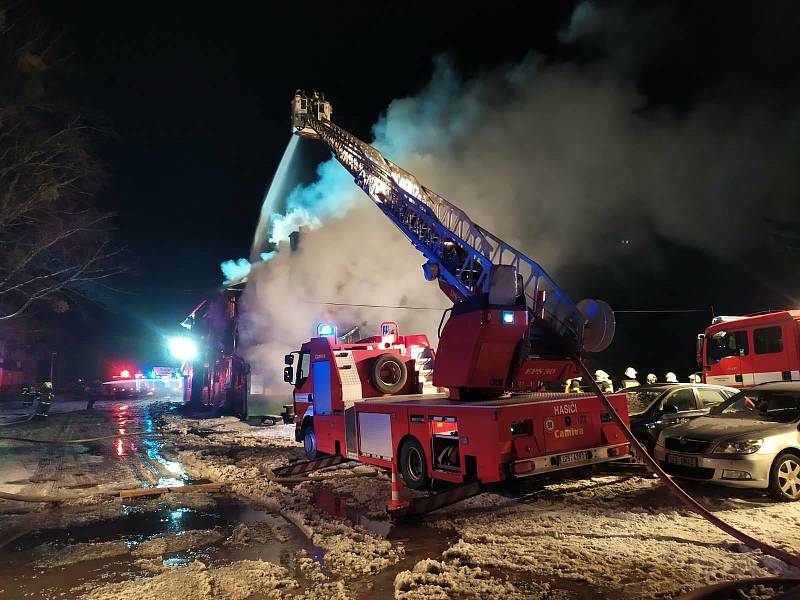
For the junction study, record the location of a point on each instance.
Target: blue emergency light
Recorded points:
(508, 317)
(326, 330)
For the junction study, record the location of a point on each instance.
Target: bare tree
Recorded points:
(53, 240)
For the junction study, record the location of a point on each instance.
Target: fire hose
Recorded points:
(80, 440)
(666, 479)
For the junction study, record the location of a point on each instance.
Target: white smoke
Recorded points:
(235, 270)
(556, 158)
(297, 218)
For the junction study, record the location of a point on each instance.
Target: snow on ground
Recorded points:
(57, 556)
(237, 581)
(606, 537)
(166, 544)
(243, 456)
(623, 537)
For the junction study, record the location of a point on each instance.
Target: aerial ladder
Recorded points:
(511, 328)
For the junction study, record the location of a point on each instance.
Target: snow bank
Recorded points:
(237, 581)
(430, 579)
(167, 543)
(61, 556)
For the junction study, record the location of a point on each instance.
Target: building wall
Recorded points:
(17, 365)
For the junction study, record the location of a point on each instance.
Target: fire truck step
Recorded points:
(426, 504)
(308, 465)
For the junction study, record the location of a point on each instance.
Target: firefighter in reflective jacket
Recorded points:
(573, 386)
(602, 379)
(630, 378)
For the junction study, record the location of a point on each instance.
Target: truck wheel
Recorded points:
(413, 466)
(310, 442)
(784, 478)
(389, 374)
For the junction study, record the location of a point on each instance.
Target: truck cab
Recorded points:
(329, 377)
(746, 351)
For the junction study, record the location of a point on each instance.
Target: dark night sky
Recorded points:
(199, 101)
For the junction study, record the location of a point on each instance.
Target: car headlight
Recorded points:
(738, 447)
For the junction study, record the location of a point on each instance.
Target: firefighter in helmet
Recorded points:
(573, 386)
(45, 399)
(671, 378)
(603, 381)
(630, 378)
(651, 378)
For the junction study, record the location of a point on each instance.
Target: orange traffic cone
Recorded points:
(399, 492)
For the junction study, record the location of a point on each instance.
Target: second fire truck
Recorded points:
(745, 351)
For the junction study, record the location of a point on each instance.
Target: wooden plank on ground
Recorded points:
(183, 489)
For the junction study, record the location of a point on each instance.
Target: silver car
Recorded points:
(752, 440)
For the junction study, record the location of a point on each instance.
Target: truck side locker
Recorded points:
(351, 393)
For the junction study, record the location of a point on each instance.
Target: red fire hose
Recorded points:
(691, 503)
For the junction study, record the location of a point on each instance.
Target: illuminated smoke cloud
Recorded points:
(235, 270)
(560, 159)
(284, 225)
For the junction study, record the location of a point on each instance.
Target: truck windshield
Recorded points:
(761, 405)
(726, 343)
(303, 367)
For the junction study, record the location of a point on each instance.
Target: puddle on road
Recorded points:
(419, 540)
(146, 449)
(20, 574)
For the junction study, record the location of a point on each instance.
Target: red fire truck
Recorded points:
(746, 351)
(373, 401)
(473, 409)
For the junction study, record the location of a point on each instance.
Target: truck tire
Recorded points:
(784, 478)
(389, 373)
(310, 442)
(413, 465)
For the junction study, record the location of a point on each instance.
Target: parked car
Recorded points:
(752, 440)
(654, 407)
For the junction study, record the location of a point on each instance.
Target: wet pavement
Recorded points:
(25, 569)
(58, 551)
(114, 446)
(122, 450)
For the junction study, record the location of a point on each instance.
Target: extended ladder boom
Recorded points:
(461, 254)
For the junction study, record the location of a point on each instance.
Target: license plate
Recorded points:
(573, 457)
(685, 461)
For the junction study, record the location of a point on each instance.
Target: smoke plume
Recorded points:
(567, 161)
